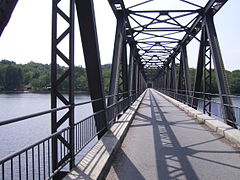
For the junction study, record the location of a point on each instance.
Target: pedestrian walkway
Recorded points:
(165, 143)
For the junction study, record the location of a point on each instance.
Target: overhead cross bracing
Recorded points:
(159, 28)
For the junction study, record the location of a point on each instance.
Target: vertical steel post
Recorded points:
(220, 72)
(200, 69)
(169, 72)
(203, 70)
(87, 24)
(165, 81)
(54, 85)
(173, 77)
(124, 68)
(136, 76)
(184, 59)
(56, 82)
(71, 82)
(117, 58)
(139, 77)
(131, 67)
(207, 83)
(180, 82)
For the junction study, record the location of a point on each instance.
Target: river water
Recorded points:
(18, 135)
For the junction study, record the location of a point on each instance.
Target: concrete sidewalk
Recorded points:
(163, 142)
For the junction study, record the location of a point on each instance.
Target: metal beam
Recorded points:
(131, 67)
(87, 24)
(220, 72)
(212, 6)
(117, 58)
(124, 69)
(136, 76)
(184, 60)
(173, 77)
(180, 77)
(6, 10)
(200, 69)
(56, 82)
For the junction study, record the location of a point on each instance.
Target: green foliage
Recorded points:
(192, 73)
(37, 76)
(234, 81)
(106, 70)
(11, 76)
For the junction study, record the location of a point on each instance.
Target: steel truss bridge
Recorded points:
(157, 58)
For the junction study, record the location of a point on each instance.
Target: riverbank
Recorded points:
(40, 92)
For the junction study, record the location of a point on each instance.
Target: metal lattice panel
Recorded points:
(159, 28)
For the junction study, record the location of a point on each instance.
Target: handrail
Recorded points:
(13, 120)
(35, 159)
(181, 95)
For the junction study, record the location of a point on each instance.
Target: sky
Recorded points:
(27, 37)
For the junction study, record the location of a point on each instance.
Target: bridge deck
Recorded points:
(165, 143)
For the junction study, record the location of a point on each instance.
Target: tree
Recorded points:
(13, 78)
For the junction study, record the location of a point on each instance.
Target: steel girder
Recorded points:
(180, 78)
(203, 74)
(87, 24)
(57, 96)
(222, 82)
(131, 71)
(119, 80)
(173, 77)
(6, 9)
(184, 60)
(135, 69)
(207, 83)
(161, 35)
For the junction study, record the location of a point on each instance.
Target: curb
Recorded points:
(97, 162)
(231, 134)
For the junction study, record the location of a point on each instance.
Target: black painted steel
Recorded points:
(184, 60)
(173, 76)
(203, 76)
(180, 77)
(87, 24)
(6, 10)
(58, 56)
(156, 39)
(200, 68)
(222, 82)
(161, 36)
(118, 58)
(131, 68)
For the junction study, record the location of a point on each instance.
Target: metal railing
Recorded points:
(34, 161)
(208, 103)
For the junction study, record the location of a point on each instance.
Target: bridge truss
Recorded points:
(158, 42)
(160, 38)
(158, 56)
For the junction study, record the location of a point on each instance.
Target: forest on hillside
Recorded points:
(37, 77)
